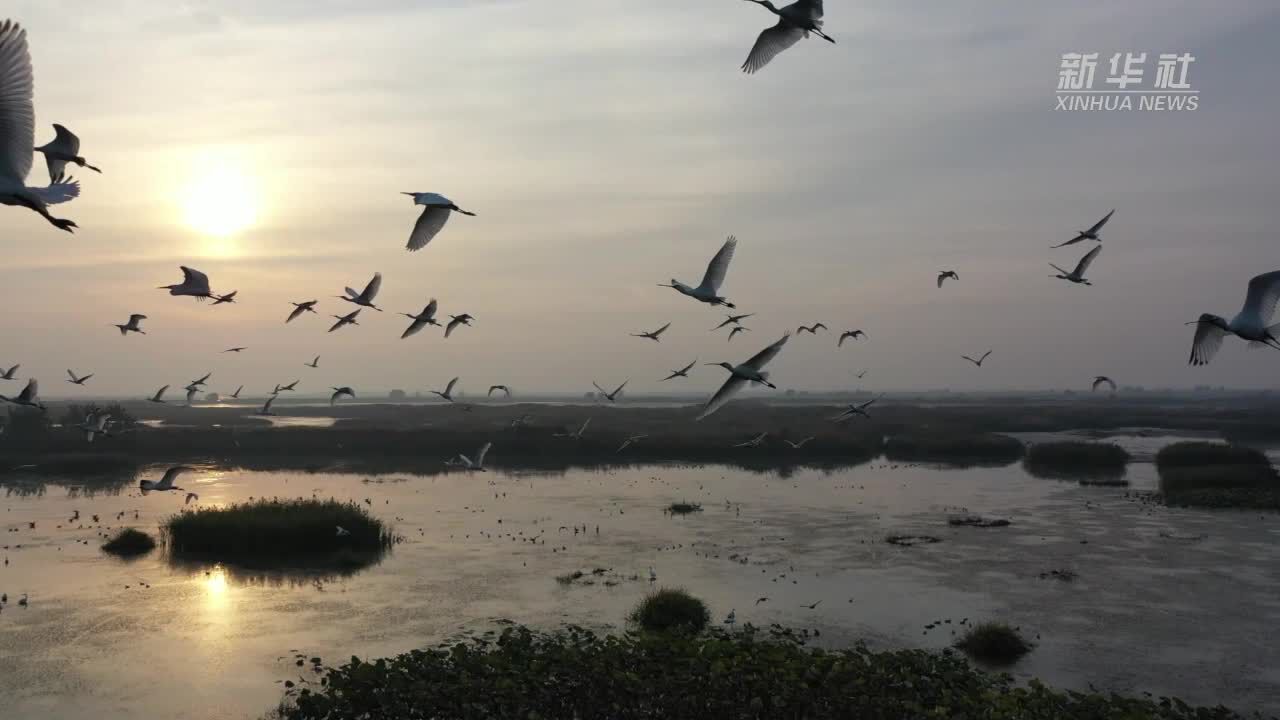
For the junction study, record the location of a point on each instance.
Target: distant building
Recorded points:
(397, 396)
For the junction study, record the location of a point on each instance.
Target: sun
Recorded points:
(220, 201)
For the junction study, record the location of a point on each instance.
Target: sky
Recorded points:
(607, 146)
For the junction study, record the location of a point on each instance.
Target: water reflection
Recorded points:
(276, 572)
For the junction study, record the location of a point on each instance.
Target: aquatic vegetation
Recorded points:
(265, 529)
(568, 578)
(684, 508)
(912, 540)
(993, 643)
(751, 673)
(1217, 475)
(1093, 463)
(953, 448)
(129, 543)
(976, 521)
(671, 610)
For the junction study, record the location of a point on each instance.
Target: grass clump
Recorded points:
(277, 528)
(977, 521)
(1209, 474)
(129, 543)
(1091, 462)
(671, 610)
(994, 643)
(568, 578)
(684, 508)
(954, 448)
(747, 674)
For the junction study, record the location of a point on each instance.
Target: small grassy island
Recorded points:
(277, 529)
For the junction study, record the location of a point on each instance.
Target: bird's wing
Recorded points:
(430, 222)
(688, 367)
(191, 394)
(771, 42)
(296, 312)
(597, 386)
(161, 391)
(941, 277)
(72, 376)
(135, 318)
(1264, 291)
(719, 266)
(171, 475)
(1093, 230)
(984, 355)
(1055, 267)
(413, 328)
(57, 166)
(194, 278)
(267, 406)
(723, 395)
(624, 384)
(1207, 341)
(371, 290)
(430, 310)
(662, 329)
(65, 140)
(820, 325)
(31, 390)
(448, 389)
(17, 115)
(448, 329)
(966, 357)
(1087, 260)
(59, 190)
(762, 358)
(484, 450)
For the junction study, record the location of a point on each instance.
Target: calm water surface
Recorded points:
(1167, 601)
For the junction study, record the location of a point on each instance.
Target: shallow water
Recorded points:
(1167, 601)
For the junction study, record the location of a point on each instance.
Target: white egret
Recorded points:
(63, 149)
(235, 350)
(78, 380)
(477, 465)
(286, 388)
(575, 434)
(303, 307)
(629, 441)
(266, 407)
(194, 284)
(612, 396)
(315, 363)
(751, 371)
(9, 374)
(224, 299)
(159, 396)
(95, 423)
(737, 329)
(448, 390)
(947, 275)
(1103, 380)
(191, 394)
(795, 22)
(28, 396)
(344, 320)
(365, 297)
(732, 320)
(855, 334)
(682, 372)
(1077, 276)
(236, 395)
(421, 320)
(797, 445)
(812, 329)
(753, 442)
(1091, 233)
(202, 381)
(455, 321)
(191, 496)
(858, 410)
(654, 335)
(709, 291)
(1249, 324)
(135, 320)
(435, 213)
(18, 135)
(980, 360)
(506, 390)
(339, 392)
(166, 482)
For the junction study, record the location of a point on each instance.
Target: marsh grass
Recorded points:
(684, 508)
(994, 644)
(670, 610)
(1092, 463)
(128, 543)
(954, 448)
(272, 530)
(748, 674)
(1208, 474)
(977, 521)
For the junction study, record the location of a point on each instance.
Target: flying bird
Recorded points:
(455, 321)
(194, 284)
(365, 297)
(236, 395)
(8, 374)
(812, 329)
(575, 434)
(339, 392)
(1090, 234)
(78, 380)
(191, 496)
(506, 390)
(63, 149)
(629, 441)
(266, 407)
(95, 423)
(855, 334)
(945, 275)
(612, 396)
(979, 361)
(303, 307)
(654, 335)
(448, 390)
(228, 298)
(1250, 324)
(235, 349)
(795, 22)
(18, 135)
(753, 442)
(1103, 380)
(737, 329)
(856, 410)
(314, 363)
(467, 463)
(860, 374)
(797, 445)
(435, 213)
(732, 320)
(135, 320)
(27, 397)
(682, 372)
(1077, 276)
(202, 381)
(421, 320)
(342, 532)
(286, 388)
(343, 320)
(191, 394)
(166, 481)
(709, 291)
(751, 371)
(159, 396)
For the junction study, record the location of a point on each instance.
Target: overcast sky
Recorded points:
(609, 145)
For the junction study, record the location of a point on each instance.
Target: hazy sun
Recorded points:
(220, 201)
